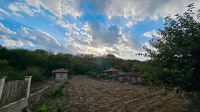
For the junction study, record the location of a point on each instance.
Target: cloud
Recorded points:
(103, 35)
(150, 34)
(19, 7)
(40, 39)
(57, 7)
(5, 30)
(153, 33)
(17, 43)
(139, 9)
(10, 38)
(99, 40)
(29, 37)
(90, 26)
(142, 9)
(4, 12)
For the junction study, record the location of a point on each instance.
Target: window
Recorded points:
(61, 75)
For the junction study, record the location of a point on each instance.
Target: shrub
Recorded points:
(36, 72)
(59, 91)
(94, 75)
(42, 109)
(60, 109)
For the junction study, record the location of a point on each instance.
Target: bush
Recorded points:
(60, 109)
(36, 72)
(91, 74)
(59, 91)
(9, 71)
(42, 109)
(94, 75)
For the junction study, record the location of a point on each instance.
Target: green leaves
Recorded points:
(175, 60)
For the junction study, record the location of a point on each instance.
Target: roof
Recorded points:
(60, 70)
(112, 69)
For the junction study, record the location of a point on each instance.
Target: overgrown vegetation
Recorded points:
(42, 108)
(175, 56)
(16, 63)
(59, 91)
(56, 100)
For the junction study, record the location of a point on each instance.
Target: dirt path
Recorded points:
(89, 95)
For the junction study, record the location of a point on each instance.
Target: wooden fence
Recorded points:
(13, 91)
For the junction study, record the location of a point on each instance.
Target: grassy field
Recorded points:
(84, 94)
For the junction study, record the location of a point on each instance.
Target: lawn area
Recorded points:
(84, 94)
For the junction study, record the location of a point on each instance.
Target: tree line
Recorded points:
(15, 63)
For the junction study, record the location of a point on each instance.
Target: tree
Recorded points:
(35, 72)
(175, 58)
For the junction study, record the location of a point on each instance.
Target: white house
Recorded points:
(61, 74)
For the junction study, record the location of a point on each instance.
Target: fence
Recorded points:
(13, 91)
(14, 94)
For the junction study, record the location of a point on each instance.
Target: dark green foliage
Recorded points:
(36, 73)
(92, 74)
(9, 71)
(59, 109)
(175, 61)
(95, 75)
(15, 63)
(42, 109)
(59, 91)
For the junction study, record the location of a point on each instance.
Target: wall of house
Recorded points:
(61, 77)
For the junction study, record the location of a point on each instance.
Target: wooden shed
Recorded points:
(61, 74)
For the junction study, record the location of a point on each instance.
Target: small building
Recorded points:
(111, 73)
(131, 77)
(135, 78)
(61, 74)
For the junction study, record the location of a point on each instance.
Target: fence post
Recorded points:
(28, 79)
(2, 82)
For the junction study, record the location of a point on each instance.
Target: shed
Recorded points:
(111, 72)
(61, 74)
(131, 77)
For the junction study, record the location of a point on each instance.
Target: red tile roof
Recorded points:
(60, 70)
(112, 69)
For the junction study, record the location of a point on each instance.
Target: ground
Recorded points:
(84, 94)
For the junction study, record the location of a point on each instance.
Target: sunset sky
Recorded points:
(99, 27)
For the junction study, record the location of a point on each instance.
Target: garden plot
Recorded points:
(89, 95)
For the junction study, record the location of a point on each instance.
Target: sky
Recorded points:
(98, 27)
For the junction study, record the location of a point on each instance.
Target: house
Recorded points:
(111, 73)
(135, 78)
(61, 74)
(131, 77)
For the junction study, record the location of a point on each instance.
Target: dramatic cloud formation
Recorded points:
(119, 27)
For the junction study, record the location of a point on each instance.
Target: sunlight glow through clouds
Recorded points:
(96, 27)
